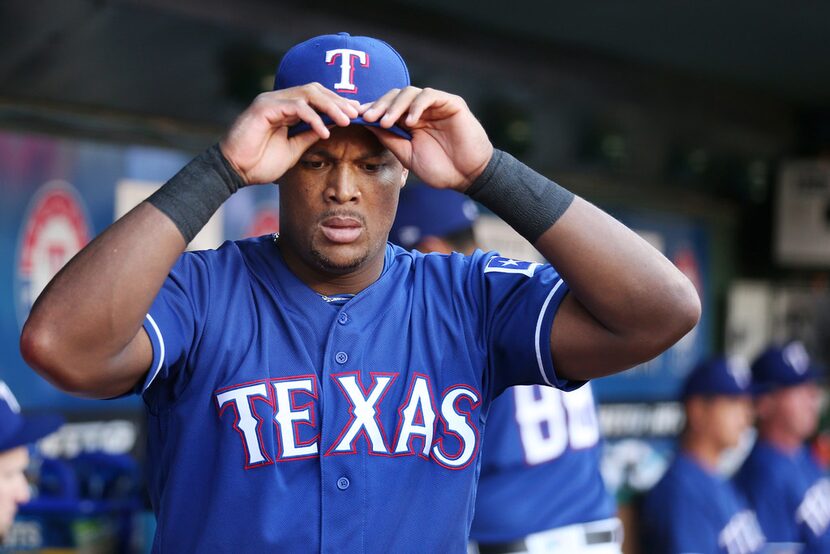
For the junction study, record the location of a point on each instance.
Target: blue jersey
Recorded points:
(279, 422)
(692, 510)
(791, 495)
(540, 465)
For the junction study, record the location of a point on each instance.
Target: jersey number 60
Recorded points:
(550, 420)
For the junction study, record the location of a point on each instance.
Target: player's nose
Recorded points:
(342, 186)
(22, 492)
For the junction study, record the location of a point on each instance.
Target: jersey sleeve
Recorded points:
(520, 301)
(176, 319)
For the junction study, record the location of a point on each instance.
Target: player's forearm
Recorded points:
(628, 302)
(630, 288)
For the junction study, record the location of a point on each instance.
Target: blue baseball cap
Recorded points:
(359, 68)
(782, 366)
(16, 430)
(425, 211)
(718, 376)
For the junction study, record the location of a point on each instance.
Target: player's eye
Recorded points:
(372, 168)
(313, 164)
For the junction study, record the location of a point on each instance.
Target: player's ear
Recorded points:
(764, 407)
(404, 176)
(695, 408)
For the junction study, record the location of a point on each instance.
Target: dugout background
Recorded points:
(707, 128)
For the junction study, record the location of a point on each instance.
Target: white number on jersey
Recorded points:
(551, 420)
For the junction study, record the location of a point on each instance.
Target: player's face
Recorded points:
(797, 408)
(728, 419)
(338, 203)
(14, 489)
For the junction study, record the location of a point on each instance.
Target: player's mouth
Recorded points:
(341, 229)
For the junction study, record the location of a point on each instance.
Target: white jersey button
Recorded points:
(343, 483)
(341, 358)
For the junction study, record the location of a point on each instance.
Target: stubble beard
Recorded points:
(328, 265)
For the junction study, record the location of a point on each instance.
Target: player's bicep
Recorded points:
(582, 348)
(172, 327)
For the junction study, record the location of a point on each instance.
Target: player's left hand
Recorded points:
(449, 147)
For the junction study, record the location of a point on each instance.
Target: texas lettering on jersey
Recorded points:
(814, 509)
(288, 407)
(742, 535)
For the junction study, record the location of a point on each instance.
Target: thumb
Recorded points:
(301, 142)
(399, 146)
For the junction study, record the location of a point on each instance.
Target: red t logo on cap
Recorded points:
(347, 58)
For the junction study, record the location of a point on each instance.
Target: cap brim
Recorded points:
(303, 126)
(33, 428)
(709, 393)
(809, 376)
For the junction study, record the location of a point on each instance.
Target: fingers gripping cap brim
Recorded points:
(303, 126)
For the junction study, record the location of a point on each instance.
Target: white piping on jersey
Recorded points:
(539, 330)
(161, 351)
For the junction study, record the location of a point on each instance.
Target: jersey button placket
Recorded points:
(341, 509)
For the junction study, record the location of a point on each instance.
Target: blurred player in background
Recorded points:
(693, 508)
(540, 488)
(782, 480)
(16, 433)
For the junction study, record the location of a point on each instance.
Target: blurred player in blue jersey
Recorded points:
(540, 488)
(782, 480)
(324, 390)
(694, 509)
(16, 433)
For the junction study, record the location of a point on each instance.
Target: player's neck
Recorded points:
(332, 284)
(780, 438)
(703, 451)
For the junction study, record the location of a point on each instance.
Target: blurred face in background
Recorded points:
(721, 420)
(14, 488)
(793, 410)
(731, 416)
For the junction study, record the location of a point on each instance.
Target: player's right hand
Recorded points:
(258, 146)
(449, 147)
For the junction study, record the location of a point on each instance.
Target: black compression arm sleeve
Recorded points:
(526, 200)
(194, 194)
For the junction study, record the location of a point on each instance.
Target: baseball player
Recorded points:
(323, 390)
(782, 480)
(540, 488)
(16, 433)
(693, 508)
